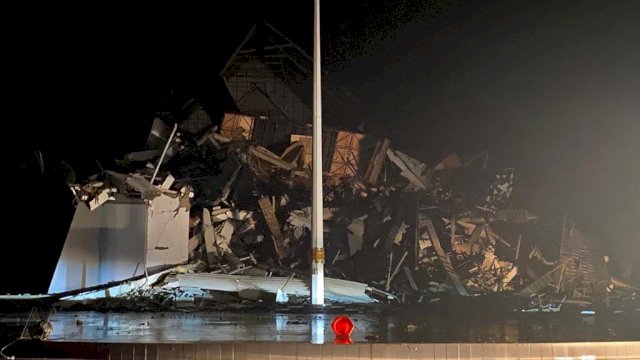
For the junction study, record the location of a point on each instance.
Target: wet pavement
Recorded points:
(407, 325)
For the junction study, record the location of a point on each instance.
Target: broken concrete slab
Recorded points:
(335, 289)
(103, 197)
(167, 182)
(117, 240)
(143, 186)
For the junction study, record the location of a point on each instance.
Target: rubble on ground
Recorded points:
(396, 229)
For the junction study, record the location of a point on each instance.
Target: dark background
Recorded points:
(551, 88)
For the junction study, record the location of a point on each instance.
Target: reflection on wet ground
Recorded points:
(371, 325)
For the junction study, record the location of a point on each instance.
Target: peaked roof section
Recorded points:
(281, 55)
(270, 62)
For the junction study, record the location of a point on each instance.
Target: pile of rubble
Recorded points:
(395, 228)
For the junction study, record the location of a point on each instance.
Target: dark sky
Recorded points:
(551, 88)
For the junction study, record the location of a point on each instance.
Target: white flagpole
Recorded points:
(317, 236)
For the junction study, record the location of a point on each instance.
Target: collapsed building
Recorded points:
(223, 205)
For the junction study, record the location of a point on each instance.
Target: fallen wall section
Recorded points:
(116, 240)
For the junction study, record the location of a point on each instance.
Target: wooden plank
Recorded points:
(542, 281)
(377, 160)
(274, 227)
(444, 259)
(209, 236)
(407, 170)
(270, 157)
(475, 237)
(194, 241)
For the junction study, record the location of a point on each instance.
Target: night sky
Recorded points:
(551, 88)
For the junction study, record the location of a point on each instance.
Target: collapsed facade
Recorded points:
(229, 201)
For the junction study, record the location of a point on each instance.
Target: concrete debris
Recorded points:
(143, 186)
(168, 181)
(219, 194)
(355, 233)
(335, 289)
(544, 280)
(293, 152)
(587, 274)
(416, 172)
(444, 259)
(269, 157)
(102, 197)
